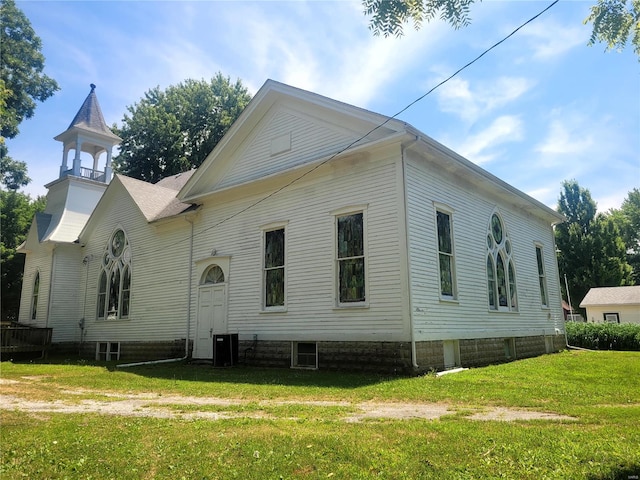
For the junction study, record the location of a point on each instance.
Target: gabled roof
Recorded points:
(157, 201)
(154, 202)
(357, 126)
(350, 128)
(602, 296)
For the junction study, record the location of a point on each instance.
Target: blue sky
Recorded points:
(540, 108)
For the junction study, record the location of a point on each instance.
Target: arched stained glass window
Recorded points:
(114, 283)
(501, 276)
(491, 281)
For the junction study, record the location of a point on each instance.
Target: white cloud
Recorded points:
(549, 39)
(566, 137)
(480, 148)
(457, 97)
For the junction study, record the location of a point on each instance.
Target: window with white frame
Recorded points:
(107, 351)
(501, 277)
(542, 279)
(350, 258)
(34, 296)
(446, 261)
(274, 268)
(114, 284)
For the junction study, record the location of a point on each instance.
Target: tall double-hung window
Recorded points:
(350, 258)
(34, 296)
(501, 275)
(274, 268)
(114, 283)
(446, 262)
(542, 278)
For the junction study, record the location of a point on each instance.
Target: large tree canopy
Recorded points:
(627, 218)
(172, 131)
(22, 82)
(591, 250)
(615, 22)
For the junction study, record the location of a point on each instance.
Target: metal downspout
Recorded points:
(414, 360)
(186, 342)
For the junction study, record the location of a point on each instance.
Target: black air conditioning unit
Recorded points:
(225, 350)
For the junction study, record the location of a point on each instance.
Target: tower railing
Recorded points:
(89, 173)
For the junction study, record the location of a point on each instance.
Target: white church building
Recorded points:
(316, 234)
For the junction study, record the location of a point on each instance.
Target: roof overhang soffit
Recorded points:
(458, 166)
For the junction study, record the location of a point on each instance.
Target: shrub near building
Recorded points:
(604, 336)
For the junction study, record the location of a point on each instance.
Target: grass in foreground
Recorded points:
(600, 389)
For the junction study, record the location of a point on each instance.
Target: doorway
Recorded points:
(212, 311)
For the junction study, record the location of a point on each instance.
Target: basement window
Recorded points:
(304, 355)
(107, 351)
(510, 348)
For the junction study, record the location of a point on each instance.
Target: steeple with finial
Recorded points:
(89, 133)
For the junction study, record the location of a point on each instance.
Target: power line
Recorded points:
(387, 120)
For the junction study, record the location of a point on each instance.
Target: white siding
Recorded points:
(38, 260)
(307, 206)
(309, 140)
(159, 274)
(59, 293)
(64, 313)
(470, 316)
(626, 313)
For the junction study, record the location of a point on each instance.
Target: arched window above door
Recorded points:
(213, 274)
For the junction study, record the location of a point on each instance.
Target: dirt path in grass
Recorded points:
(14, 396)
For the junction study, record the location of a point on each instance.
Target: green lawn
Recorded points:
(274, 434)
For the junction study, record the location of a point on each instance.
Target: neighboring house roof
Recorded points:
(602, 296)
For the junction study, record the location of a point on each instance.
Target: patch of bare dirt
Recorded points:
(167, 406)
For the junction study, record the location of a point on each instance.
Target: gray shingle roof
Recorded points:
(90, 116)
(159, 200)
(612, 296)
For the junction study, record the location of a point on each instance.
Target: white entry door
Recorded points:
(212, 318)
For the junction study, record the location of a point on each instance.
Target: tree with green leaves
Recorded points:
(627, 219)
(22, 81)
(591, 251)
(173, 130)
(16, 213)
(615, 22)
(13, 173)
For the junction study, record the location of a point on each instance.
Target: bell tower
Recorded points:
(88, 132)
